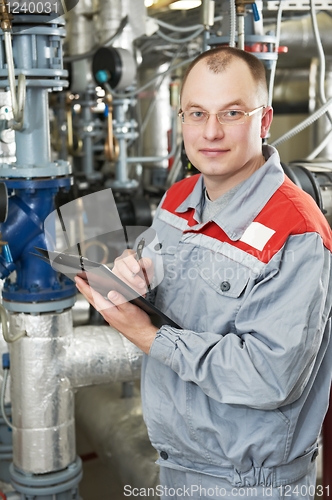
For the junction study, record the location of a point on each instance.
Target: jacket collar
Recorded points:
(247, 202)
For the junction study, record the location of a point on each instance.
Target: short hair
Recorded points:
(218, 59)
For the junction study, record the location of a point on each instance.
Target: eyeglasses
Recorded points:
(226, 117)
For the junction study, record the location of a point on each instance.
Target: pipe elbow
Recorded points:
(100, 354)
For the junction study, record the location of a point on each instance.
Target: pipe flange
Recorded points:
(55, 169)
(40, 307)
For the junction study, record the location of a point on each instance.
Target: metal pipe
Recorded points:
(298, 35)
(240, 20)
(33, 142)
(153, 159)
(110, 357)
(47, 364)
(116, 430)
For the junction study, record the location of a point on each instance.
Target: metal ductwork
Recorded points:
(298, 36)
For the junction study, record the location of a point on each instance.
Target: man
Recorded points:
(235, 401)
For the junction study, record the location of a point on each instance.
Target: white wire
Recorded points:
(3, 314)
(19, 102)
(6, 336)
(321, 146)
(2, 401)
(158, 85)
(180, 29)
(321, 56)
(148, 84)
(179, 40)
(306, 123)
(172, 27)
(274, 64)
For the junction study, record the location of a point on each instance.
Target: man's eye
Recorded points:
(197, 114)
(233, 113)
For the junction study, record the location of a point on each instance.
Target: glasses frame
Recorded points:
(246, 114)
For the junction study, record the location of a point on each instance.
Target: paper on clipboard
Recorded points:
(101, 279)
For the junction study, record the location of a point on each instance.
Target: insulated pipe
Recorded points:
(116, 431)
(47, 364)
(298, 35)
(110, 357)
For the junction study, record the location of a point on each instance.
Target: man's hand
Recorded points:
(125, 317)
(130, 271)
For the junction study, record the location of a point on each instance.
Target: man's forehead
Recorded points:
(232, 85)
(234, 66)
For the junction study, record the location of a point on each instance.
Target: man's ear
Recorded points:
(266, 121)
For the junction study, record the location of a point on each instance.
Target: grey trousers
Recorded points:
(181, 485)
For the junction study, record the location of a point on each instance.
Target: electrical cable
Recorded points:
(155, 159)
(109, 41)
(321, 57)
(180, 29)
(2, 401)
(3, 314)
(159, 84)
(179, 40)
(175, 169)
(320, 146)
(172, 27)
(149, 83)
(306, 123)
(232, 18)
(321, 86)
(274, 63)
(8, 339)
(19, 102)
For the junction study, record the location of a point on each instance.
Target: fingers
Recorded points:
(116, 298)
(95, 299)
(129, 270)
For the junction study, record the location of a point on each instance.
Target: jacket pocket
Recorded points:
(227, 277)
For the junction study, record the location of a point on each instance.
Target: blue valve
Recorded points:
(255, 12)
(102, 76)
(7, 254)
(5, 361)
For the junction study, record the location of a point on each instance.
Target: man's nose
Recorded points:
(212, 129)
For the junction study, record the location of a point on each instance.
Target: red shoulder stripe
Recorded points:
(290, 211)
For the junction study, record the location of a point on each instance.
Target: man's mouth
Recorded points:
(212, 152)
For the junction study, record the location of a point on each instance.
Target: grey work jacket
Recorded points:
(241, 391)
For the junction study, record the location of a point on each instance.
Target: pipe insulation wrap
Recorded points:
(47, 364)
(111, 357)
(42, 398)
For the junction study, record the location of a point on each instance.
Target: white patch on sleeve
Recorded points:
(257, 235)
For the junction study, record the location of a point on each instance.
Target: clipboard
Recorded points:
(102, 280)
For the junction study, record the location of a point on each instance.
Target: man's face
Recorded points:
(224, 152)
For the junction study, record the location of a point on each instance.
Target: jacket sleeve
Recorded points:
(281, 329)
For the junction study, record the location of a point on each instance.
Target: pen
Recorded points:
(139, 251)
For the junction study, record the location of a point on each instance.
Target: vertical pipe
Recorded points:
(87, 141)
(240, 20)
(33, 141)
(121, 165)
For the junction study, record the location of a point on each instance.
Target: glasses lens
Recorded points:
(194, 117)
(231, 116)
